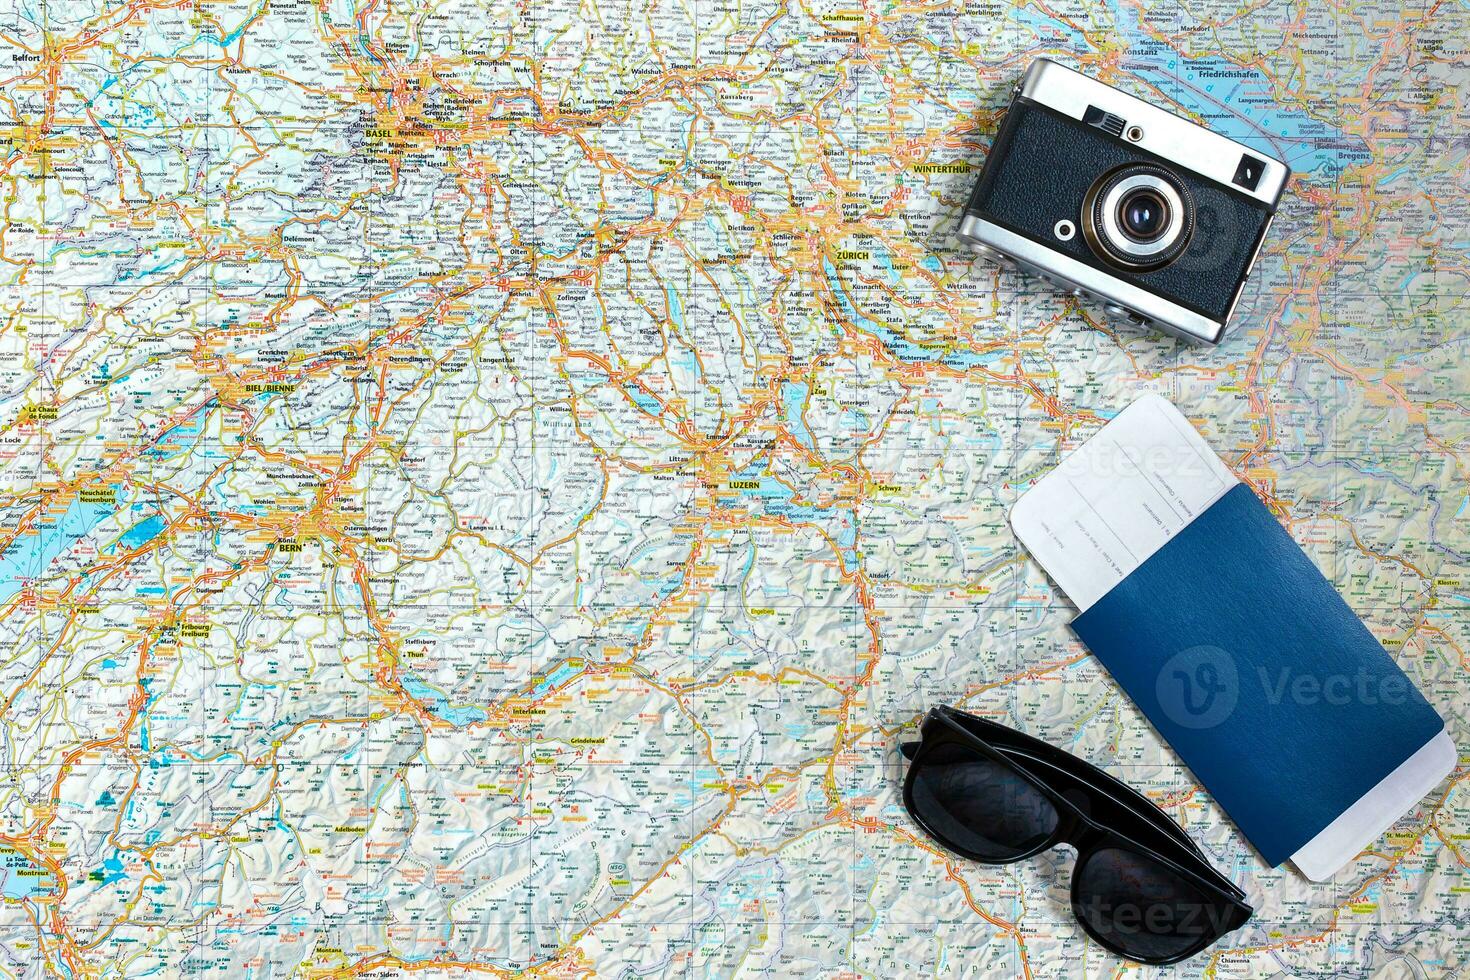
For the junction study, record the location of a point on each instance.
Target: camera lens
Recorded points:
(1138, 217)
(1144, 214)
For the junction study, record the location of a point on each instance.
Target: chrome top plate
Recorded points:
(1172, 137)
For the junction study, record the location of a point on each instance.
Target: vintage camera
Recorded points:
(1117, 200)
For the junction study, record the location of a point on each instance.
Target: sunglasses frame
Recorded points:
(947, 725)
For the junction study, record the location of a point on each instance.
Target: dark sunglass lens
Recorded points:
(1144, 908)
(979, 806)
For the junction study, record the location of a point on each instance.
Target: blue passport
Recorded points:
(1238, 650)
(1258, 674)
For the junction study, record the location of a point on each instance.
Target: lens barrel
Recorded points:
(1138, 217)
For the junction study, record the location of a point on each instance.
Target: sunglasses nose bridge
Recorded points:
(1084, 837)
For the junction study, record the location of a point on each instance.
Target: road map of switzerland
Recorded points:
(484, 488)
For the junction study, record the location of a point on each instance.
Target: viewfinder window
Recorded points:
(1248, 172)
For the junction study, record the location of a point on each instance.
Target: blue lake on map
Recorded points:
(1240, 103)
(142, 532)
(755, 485)
(20, 878)
(32, 553)
(793, 399)
(112, 869)
(1236, 100)
(437, 703)
(559, 675)
(643, 399)
(903, 348)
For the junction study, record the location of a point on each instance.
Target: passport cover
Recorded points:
(1255, 670)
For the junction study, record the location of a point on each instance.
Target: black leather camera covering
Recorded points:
(1040, 168)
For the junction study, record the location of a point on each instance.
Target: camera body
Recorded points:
(1114, 199)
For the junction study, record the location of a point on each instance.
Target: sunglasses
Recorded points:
(1141, 888)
